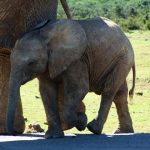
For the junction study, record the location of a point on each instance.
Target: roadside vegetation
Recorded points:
(129, 14)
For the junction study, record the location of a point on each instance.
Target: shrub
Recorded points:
(133, 24)
(148, 25)
(129, 14)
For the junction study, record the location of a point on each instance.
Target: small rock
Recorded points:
(139, 93)
(45, 123)
(37, 97)
(25, 119)
(34, 128)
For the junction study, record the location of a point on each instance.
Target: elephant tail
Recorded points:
(131, 92)
(66, 8)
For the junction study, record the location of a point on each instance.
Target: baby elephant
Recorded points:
(83, 56)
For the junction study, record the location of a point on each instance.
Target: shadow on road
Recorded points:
(77, 142)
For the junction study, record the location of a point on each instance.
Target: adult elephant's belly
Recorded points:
(18, 17)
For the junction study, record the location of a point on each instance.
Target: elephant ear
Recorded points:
(66, 43)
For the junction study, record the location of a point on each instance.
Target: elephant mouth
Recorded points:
(26, 79)
(24, 82)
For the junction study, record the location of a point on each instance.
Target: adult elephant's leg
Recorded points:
(49, 94)
(76, 86)
(4, 81)
(125, 122)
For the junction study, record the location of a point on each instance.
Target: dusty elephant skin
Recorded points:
(16, 18)
(82, 56)
(5, 70)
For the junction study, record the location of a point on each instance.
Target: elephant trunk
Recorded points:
(14, 90)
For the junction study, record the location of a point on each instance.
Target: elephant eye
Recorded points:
(31, 63)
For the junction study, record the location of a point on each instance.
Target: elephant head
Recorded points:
(53, 47)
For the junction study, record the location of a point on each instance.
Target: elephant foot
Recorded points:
(14, 133)
(82, 121)
(4, 132)
(94, 127)
(124, 130)
(54, 132)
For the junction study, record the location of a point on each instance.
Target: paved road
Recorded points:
(77, 142)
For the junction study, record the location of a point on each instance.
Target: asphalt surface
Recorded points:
(138, 141)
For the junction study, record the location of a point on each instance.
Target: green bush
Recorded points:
(123, 24)
(133, 24)
(148, 25)
(129, 14)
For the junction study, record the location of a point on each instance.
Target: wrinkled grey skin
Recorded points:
(86, 56)
(20, 16)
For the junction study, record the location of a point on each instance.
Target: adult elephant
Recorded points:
(16, 18)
